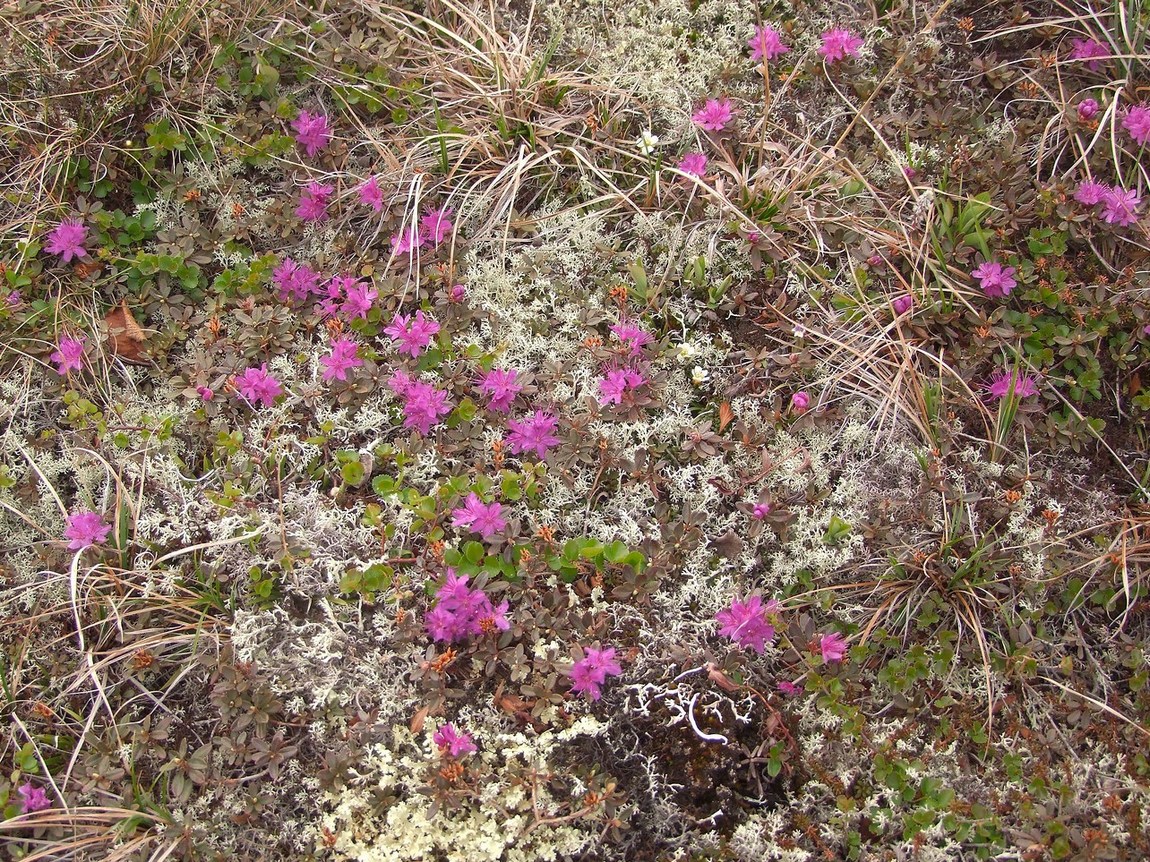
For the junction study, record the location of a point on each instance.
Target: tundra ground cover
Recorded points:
(677, 430)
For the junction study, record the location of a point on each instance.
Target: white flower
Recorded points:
(685, 352)
(647, 142)
(699, 375)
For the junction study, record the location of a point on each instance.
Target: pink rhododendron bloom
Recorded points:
(371, 194)
(839, 44)
(67, 240)
(833, 647)
(424, 405)
(1120, 206)
(436, 225)
(344, 356)
(635, 337)
(295, 281)
(1087, 109)
(902, 304)
(451, 741)
(85, 528)
(457, 294)
(533, 434)
(746, 622)
(994, 278)
(461, 612)
(1137, 123)
(591, 671)
(800, 401)
(407, 240)
(760, 511)
(486, 519)
(789, 688)
(414, 335)
(360, 296)
(1091, 193)
(32, 798)
(1090, 50)
(694, 164)
(617, 383)
(312, 132)
(14, 299)
(69, 355)
(205, 393)
(714, 115)
(259, 387)
(766, 44)
(500, 388)
(313, 202)
(1002, 382)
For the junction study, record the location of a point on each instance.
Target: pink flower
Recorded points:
(592, 671)
(1090, 50)
(360, 298)
(1002, 382)
(344, 356)
(313, 202)
(533, 434)
(32, 798)
(500, 388)
(617, 383)
(205, 393)
(766, 43)
(902, 304)
(452, 741)
(413, 336)
(14, 300)
(994, 278)
(407, 240)
(1090, 193)
(371, 194)
(312, 131)
(1137, 123)
(483, 518)
(714, 115)
(295, 281)
(800, 401)
(457, 293)
(461, 611)
(259, 387)
(67, 240)
(760, 511)
(85, 528)
(634, 336)
(839, 44)
(436, 225)
(1087, 109)
(833, 647)
(1120, 207)
(424, 405)
(69, 355)
(694, 164)
(746, 622)
(789, 688)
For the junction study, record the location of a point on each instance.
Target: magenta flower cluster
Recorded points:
(1119, 205)
(486, 519)
(312, 132)
(747, 622)
(349, 296)
(461, 612)
(452, 742)
(766, 44)
(313, 202)
(412, 335)
(295, 281)
(533, 434)
(500, 387)
(1003, 383)
(1091, 51)
(67, 240)
(84, 529)
(1137, 123)
(433, 228)
(257, 386)
(69, 355)
(590, 672)
(994, 279)
(344, 356)
(839, 44)
(423, 405)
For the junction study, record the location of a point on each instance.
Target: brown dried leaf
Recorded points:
(125, 337)
(725, 415)
(418, 719)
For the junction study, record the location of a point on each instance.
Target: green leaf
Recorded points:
(474, 552)
(353, 473)
(385, 486)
